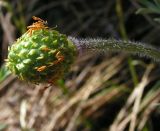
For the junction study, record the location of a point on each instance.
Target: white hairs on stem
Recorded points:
(105, 45)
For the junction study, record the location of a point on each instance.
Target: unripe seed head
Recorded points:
(41, 57)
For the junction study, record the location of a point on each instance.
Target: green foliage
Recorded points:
(150, 7)
(3, 126)
(4, 72)
(63, 87)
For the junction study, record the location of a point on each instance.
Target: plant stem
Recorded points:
(101, 45)
(123, 32)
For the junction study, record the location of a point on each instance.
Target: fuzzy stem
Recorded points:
(102, 45)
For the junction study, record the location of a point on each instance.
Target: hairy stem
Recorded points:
(102, 45)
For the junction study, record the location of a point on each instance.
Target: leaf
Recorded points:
(4, 72)
(143, 11)
(149, 7)
(157, 20)
(3, 126)
(157, 2)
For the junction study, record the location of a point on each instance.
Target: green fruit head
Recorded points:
(42, 56)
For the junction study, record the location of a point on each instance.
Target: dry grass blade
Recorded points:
(150, 107)
(92, 105)
(23, 111)
(92, 83)
(7, 26)
(37, 109)
(6, 83)
(122, 119)
(140, 89)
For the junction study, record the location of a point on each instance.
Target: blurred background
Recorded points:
(102, 92)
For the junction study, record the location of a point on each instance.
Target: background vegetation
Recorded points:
(107, 91)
